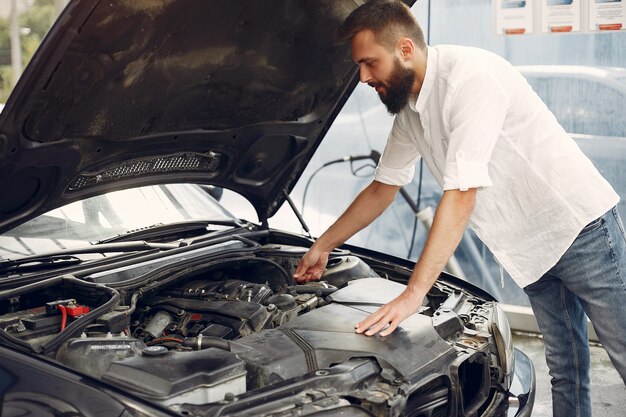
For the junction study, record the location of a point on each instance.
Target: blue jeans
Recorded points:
(589, 280)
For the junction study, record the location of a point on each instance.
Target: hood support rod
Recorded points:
(298, 215)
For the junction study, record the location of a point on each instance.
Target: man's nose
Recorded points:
(364, 75)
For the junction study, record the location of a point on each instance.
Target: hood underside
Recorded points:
(128, 93)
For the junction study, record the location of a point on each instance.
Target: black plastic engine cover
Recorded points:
(326, 336)
(93, 355)
(174, 373)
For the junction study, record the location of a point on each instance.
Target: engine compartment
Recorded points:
(229, 327)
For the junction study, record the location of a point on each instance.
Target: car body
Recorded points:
(127, 289)
(585, 100)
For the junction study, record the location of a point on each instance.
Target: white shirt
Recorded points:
(478, 124)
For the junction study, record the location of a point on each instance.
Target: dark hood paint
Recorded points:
(121, 94)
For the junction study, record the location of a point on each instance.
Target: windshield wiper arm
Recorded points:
(160, 230)
(38, 262)
(67, 255)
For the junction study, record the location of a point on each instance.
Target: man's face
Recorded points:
(382, 70)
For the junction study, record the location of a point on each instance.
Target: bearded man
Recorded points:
(510, 171)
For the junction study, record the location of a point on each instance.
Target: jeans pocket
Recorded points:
(618, 219)
(595, 224)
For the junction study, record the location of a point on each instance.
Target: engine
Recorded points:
(225, 309)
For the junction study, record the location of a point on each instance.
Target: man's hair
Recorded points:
(390, 20)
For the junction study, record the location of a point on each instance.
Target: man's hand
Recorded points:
(311, 266)
(391, 314)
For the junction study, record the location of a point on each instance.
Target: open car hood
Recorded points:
(123, 94)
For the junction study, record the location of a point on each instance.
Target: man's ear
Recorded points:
(406, 48)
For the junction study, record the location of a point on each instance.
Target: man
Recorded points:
(509, 170)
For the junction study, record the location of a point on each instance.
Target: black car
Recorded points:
(126, 289)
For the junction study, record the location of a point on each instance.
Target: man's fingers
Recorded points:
(365, 324)
(310, 274)
(389, 315)
(301, 268)
(384, 320)
(378, 326)
(371, 320)
(392, 327)
(303, 278)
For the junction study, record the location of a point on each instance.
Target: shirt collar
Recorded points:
(417, 105)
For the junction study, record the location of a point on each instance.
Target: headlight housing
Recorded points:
(502, 334)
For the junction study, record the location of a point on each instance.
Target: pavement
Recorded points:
(608, 391)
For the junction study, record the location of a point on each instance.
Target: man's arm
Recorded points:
(445, 234)
(368, 205)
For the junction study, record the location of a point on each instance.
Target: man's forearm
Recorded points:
(445, 234)
(368, 205)
(450, 220)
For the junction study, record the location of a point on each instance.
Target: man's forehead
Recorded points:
(365, 37)
(365, 46)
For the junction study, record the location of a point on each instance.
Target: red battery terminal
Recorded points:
(74, 310)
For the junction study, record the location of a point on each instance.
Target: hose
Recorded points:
(205, 342)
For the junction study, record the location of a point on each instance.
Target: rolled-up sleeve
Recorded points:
(397, 163)
(476, 114)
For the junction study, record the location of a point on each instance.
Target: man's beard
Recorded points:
(397, 89)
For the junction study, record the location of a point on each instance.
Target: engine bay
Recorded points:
(225, 328)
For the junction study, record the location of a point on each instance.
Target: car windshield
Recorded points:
(108, 215)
